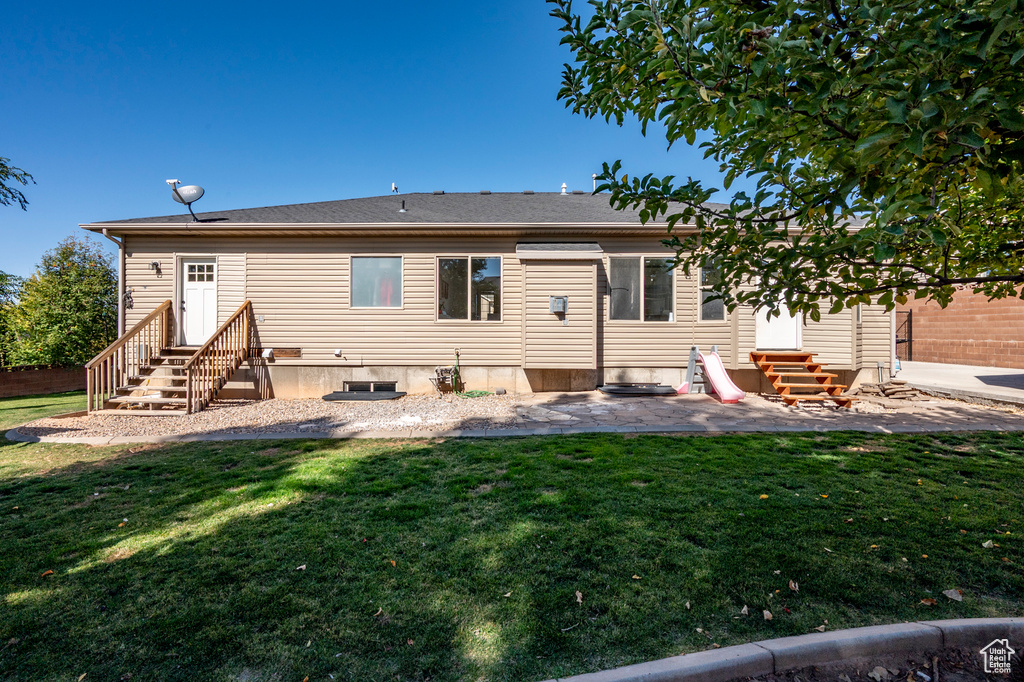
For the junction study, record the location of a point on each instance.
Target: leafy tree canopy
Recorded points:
(10, 286)
(67, 311)
(8, 193)
(885, 139)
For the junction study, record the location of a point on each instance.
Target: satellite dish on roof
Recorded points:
(186, 195)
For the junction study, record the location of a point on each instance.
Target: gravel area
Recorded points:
(424, 413)
(581, 410)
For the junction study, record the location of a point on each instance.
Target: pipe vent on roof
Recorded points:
(438, 191)
(564, 187)
(528, 191)
(485, 191)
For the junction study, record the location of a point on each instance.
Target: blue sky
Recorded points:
(279, 103)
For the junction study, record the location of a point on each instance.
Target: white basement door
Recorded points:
(198, 301)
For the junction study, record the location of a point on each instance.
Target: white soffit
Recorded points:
(559, 251)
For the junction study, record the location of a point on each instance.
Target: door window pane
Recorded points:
(658, 297)
(486, 289)
(624, 282)
(452, 289)
(376, 282)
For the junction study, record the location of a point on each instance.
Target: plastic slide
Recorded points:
(714, 370)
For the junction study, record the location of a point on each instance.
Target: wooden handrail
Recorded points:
(112, 348)
(217, 334)
(211, 366)
(114, 368)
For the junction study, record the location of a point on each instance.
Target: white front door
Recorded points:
(778, 333)
(198, 301)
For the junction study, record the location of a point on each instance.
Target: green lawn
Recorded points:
(514, 559)
(17, 411)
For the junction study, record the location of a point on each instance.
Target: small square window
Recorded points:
(376, 282)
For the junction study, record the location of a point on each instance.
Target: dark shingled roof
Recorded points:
(546, 207)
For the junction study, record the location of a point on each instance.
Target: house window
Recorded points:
(200, 272)
(469, 288)
(641, 288)
(711, 310)
(376, 282)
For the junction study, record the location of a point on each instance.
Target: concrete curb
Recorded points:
(775, 656)
(668, 429)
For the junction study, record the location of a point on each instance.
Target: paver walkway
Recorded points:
(966, 381)
(595, 411)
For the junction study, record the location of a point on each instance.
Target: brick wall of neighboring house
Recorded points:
(18, 381)
(971, 330)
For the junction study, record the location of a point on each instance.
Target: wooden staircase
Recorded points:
(143, 374)
(158, 389)
(798, 376)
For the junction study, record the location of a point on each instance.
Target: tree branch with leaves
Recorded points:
(885, 140)
(9, 194)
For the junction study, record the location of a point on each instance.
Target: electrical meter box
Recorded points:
(559, 304)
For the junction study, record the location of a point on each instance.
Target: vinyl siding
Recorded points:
(230, 284)
(148, 288)
(301, 287)
(549, 343)
(876, 336)
(830, 339)
(628, 343)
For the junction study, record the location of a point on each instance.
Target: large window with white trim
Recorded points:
(376, 281)
(641, 288)
(469, 288)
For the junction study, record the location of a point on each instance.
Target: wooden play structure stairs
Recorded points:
(142, 373)
(797, 376)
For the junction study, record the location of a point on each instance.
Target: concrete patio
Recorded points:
(968, 382)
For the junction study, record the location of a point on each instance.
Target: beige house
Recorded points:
(386, 288)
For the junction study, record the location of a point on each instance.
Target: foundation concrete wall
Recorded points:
(261, 379)
(296, 381)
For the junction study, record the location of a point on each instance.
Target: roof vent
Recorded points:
(402, 210)
(485, 191)
(564, 187)
(438, 191)
(527, 191)
(577, 191)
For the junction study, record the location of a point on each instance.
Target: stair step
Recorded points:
(160, 377)
(175, 370)
(843, 401)
(151, 400)
(816, 386)
(790, 364)
(802, 374)
(152, 389)
(180, 350)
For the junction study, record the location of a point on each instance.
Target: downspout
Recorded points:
(120, 282)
